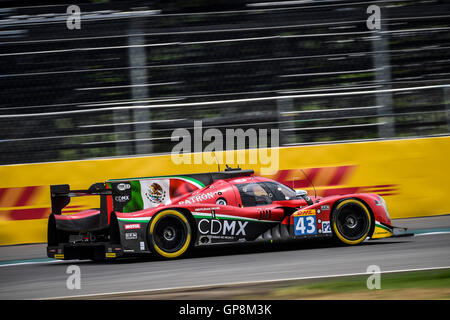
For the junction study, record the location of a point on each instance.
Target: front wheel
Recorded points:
(351, 221)
(170, 234)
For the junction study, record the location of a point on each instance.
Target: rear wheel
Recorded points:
(170, 234)
(351, 221)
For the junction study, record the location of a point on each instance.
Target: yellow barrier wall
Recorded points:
(412, 175)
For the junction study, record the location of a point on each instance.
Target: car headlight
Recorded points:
(384, 205)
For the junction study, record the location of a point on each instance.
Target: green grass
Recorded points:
(420, 279)
(406, 283)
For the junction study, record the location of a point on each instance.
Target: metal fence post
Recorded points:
(446, 97)
(283, 106)
(139, 87)
(382, 66)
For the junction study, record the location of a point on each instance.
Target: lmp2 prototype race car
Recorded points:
(168, 215)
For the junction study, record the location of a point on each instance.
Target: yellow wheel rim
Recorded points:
(366, 211)
(180, 251)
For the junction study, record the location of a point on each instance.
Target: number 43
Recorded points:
(308, 227)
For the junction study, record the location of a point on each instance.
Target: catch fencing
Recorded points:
(122, 83)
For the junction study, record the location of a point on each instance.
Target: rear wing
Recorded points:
(60, 197)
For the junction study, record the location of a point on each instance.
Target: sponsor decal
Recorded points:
(198, 198)
(58, 256)
(110, 255)
(142, 245)
(381, 230)
(207, 209)
(122, 198)
(222, 227)
(132, 226)
(130, 235)
(326, 227)
(305, 212)
(325, 207)
(123, 186)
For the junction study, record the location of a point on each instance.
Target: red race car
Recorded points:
(168, 215)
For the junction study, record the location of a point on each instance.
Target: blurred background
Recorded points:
(117, 87)
(137, 70)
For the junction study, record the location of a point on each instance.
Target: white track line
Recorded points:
(431, 233)
(237, 283)
(30, 262)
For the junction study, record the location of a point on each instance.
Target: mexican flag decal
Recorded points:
(150, 193)
(155, 192)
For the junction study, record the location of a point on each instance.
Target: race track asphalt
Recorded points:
(38, 278)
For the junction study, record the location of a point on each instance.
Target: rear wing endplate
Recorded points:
(60, 195)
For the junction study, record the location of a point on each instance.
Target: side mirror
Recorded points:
(300, 193)
(304, 195)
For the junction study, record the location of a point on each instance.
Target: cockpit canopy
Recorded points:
(264, 193)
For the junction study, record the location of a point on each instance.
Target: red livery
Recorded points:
(168, 215)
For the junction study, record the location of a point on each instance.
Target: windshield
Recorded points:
(280, 191)
(263, 193)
